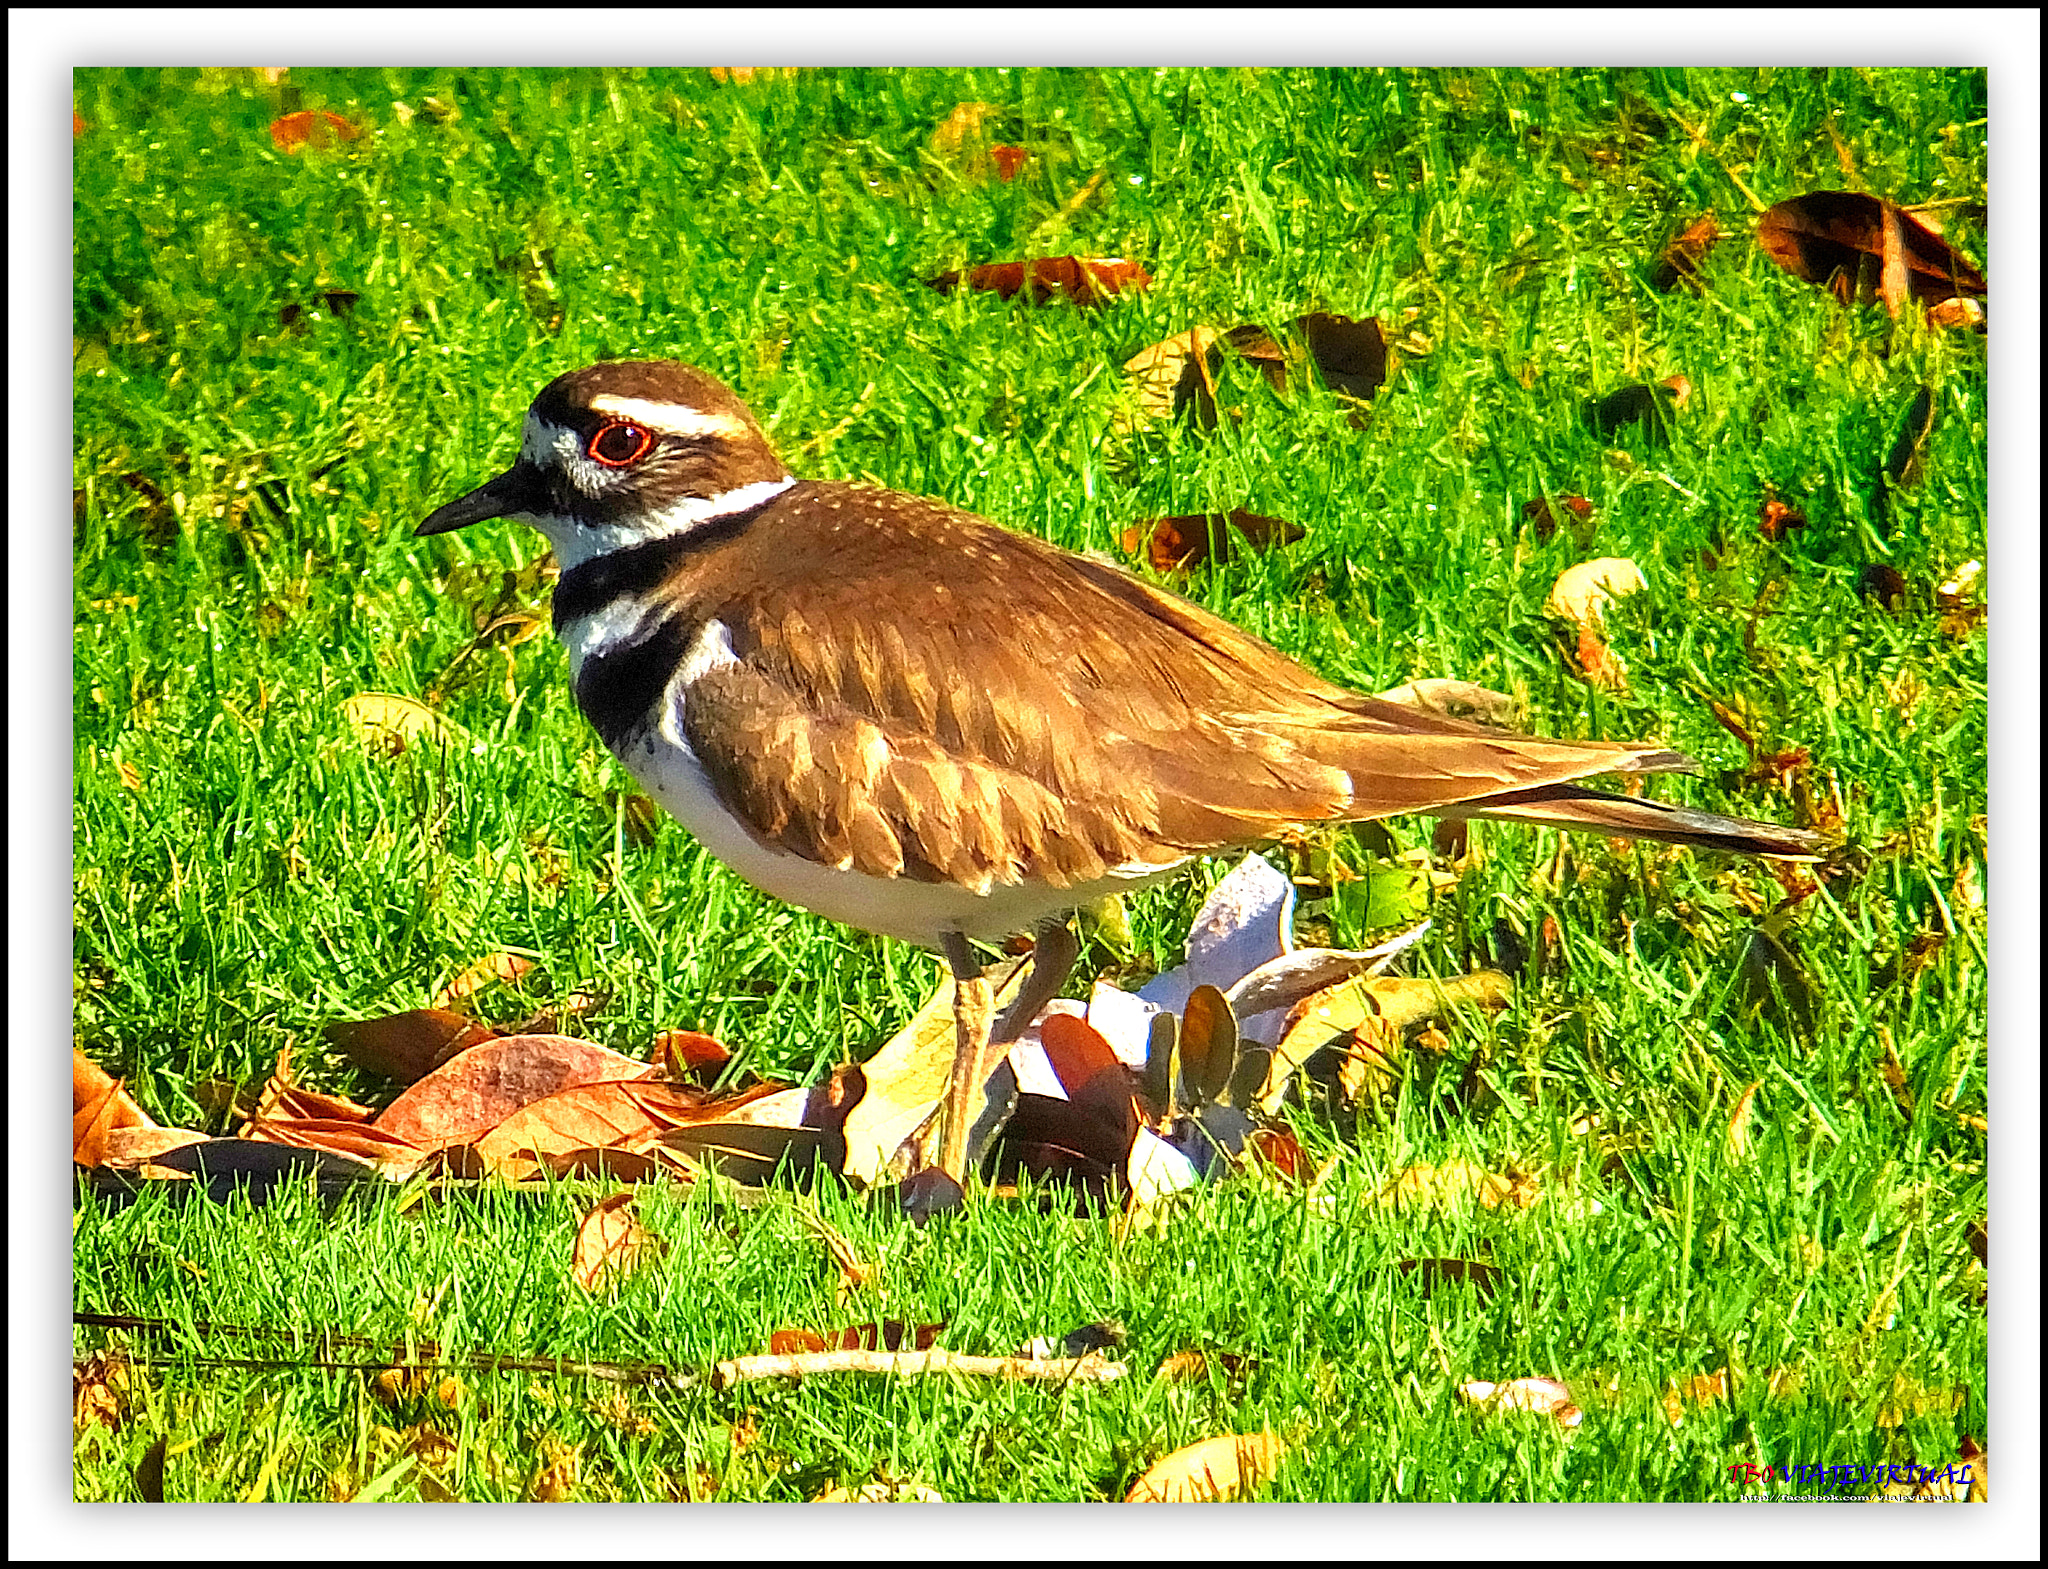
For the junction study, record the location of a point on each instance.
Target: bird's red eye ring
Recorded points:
(619, 443)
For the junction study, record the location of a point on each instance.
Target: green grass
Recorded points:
(246, 871)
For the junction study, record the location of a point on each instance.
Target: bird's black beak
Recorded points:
(517, 490)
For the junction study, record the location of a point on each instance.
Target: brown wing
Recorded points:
(1019, 712)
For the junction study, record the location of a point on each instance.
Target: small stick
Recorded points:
(1090, 1369)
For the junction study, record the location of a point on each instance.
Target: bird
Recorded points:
(907, 719)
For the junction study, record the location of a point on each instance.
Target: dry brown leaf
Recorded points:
(689, 1056)
(1086, 280)
(339, 1136)
(1680, 262)
(961, 137)
(891, 1334)
(1653, 407)
(611, 1243)
(904, 1080)
(1008, 160)
(1431, 1273)
(1430, 1186)
(99, 1391)
(1863, 247)
(492, 969)
(131, 1147)
(317, 128)
(1216, 1470)
(1187, 541)
(610, 1115)
(1703, 1389)
(1159, 370)
(406, 1046)
(478, 1088)
(99, 1106)
(1387, 1006)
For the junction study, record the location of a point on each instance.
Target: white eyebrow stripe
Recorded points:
(668, 419)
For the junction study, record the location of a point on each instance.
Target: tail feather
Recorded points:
(1589, 811)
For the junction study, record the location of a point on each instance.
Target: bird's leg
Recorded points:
(1053, 953)
(973, 1007)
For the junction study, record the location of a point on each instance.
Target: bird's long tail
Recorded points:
(1589, 811)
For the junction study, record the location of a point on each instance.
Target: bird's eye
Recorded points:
(620, 444)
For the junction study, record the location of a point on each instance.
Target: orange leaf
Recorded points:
(1084, 280)
(1008, 160)
(1183, 543)
(480, 1087)
(310, 128)
(357, 1140)
(1680, 262)
(1214, 1471)
(406, 1046)
(611, 1242)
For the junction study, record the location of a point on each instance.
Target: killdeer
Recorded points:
(899, 716)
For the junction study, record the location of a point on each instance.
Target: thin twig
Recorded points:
(1091, 1369)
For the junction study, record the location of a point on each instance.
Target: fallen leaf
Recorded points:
(611, 1243)
(388, 723)
(477, 1089)
(1903, 467)
(960, 138)
(905, 1079)
(1581, 593)
(1160, 370)
(99, 1391)
(1882, 582)
(99, 1107)
(406, 1046)
(131, 1147)
(1741, 1141)
(1008, 160)
(1389, 1005)
(1681, 259)
(892, 1334)
(882, 1493)
(492, 969)
(1185, 542)
(1484, 1279)
(373, 1146)
(1863, 247)
(1350, 355)
(1434, 1186)
(1775, 519)
(688, 1056)
(1545, 1396)
(317, 128)
(1958, 312)
(629, 1115)
(1086, 280)
(1651, 406)
(1578, 519)
(1216, 1470)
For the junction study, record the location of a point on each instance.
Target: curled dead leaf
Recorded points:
(1680, 261)
(611, 1243)
(1216, 1470)
(1864, 247)
(1086, 280)
(1183, 543)
(1582, 592)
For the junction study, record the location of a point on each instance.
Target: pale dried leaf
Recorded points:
(611, 1243)
(477, 1089)
(1582, 592)
(1216, 1470)
(390, 722)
